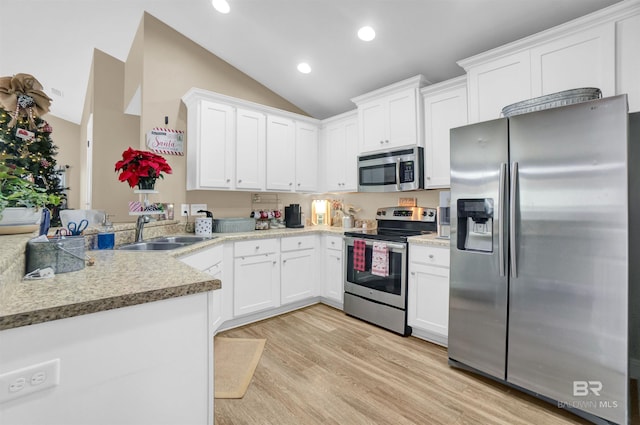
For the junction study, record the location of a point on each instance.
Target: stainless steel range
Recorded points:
(376, 266)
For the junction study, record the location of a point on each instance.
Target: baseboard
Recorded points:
(430, 337)
(262, 315)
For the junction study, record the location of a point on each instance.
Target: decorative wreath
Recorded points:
(22, 96)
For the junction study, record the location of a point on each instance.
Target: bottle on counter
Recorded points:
(106, 235)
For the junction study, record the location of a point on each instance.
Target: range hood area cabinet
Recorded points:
(391, 117)
(235, 144)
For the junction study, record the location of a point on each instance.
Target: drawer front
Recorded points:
(333, 242)
(297, 242)
(429, 255)
(255, 247)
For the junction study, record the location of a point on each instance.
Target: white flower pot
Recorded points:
(20, 220)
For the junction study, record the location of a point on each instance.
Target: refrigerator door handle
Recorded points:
(501, 205)
(512, 219)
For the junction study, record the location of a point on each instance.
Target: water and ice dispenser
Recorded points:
(475, 224)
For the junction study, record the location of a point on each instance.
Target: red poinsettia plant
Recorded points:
(136, 165)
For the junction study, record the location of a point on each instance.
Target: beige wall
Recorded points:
(167, 65)
(66, 136)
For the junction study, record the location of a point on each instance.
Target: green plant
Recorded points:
(16, 190)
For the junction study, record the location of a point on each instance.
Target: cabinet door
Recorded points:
(306, 151)
(373, 127)
(250, 149)
(334, 157)
(428, 299)
(297, 275)
(256, 285)
(496, 84)
(443, 111)
(281, 154)
(628, 60)
(217, 296)
(350, 179)
(333, 280)
(585, 59)
(213, 153)
(401, 119)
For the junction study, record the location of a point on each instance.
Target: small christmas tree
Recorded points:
(25, 138)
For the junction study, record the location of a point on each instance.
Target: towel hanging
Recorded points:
(359, 250)
(380, 259)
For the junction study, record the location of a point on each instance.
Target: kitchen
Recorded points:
(118, 130)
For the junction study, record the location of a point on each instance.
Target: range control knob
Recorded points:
(430, 213)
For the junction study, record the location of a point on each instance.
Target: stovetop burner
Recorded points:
(396, 224)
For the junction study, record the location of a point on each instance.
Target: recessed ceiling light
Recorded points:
(304, 67)
(366, 33)
(221, 6)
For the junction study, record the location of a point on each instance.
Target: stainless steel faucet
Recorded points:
(142, 219)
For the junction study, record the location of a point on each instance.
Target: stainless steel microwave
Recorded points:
(391, 171)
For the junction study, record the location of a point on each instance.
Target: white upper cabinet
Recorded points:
(211, 159)
(340, 152)
(583, 59)
(281, 153)
(240, 145)
(391, 116)
(597, 50)
(250, 149)
(307, 157)
(445, 107)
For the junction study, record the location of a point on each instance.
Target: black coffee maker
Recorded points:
(293, 216)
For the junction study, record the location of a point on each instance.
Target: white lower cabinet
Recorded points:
(333, 288)
(210, 260)
(256, 284)
(298, 274)
(428, 296)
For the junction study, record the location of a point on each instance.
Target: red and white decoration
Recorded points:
(166, 141)
(135, 206)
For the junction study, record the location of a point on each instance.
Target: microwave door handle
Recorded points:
(398, 174)
(501, 205)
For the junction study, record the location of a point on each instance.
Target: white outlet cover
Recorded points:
(28, 380)
(197, 207)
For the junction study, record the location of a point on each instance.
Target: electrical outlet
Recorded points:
(28, 380)
(184, 210)
(197, 207)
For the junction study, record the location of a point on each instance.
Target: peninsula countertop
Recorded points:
(119, 278)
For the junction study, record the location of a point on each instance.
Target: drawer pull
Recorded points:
(431, 256)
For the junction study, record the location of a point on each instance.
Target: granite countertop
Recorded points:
(431, 240)
(119, 278)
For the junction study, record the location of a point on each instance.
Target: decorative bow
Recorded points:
(23, 95)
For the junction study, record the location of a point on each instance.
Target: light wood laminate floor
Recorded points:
(320, 366)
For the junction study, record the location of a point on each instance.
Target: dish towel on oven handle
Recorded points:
(380, 259)
(359, 249)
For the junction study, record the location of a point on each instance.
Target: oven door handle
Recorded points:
(368, 242)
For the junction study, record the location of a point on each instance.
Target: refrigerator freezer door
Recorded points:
(568, 304)
(478, 292)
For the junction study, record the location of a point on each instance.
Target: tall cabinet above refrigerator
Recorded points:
(540, 254)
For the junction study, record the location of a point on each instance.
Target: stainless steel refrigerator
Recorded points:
(540, 254)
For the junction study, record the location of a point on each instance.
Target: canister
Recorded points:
(204, 226)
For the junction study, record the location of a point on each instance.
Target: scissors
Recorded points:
(62, 232)
(77, 228)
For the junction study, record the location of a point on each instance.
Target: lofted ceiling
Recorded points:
(54, 40)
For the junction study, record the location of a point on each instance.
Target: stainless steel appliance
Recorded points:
(382, 300)
(444, 215)
(391, 171)
(293, 216)
(540, 254)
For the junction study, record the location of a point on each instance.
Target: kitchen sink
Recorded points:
(180, 239)
(152, 246)
(164, 243)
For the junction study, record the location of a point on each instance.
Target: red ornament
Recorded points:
(47, 128)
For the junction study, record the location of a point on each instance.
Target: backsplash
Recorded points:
(225, 204)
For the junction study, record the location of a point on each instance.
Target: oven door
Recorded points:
(390, 290)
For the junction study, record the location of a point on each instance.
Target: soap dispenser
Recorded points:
(106, 235)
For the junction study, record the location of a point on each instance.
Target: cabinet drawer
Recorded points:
(429, 255)
(333, 242)
(255, 247)
(297, 242)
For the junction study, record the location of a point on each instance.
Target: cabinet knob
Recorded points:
(257, 246)
(240, 181)
(290, 183)
(228, 180)
(298, 184)
(283, 261)
(299, 242)
(386, 141)
(428, 178)
(381, 142)
(274, 262)
(431, 256)
(413, 273)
